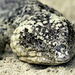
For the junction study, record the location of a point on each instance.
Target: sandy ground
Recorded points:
(10, 65)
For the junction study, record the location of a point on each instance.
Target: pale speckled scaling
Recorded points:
(41, 35)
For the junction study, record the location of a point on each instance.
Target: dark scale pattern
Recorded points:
(47, 33)
(29, 40)
(50, 41)
(42, 34)
(28, 8)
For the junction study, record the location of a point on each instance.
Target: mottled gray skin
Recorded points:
(6, 6)
(42, 35)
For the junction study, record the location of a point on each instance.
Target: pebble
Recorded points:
(57, 71)
(48, 70)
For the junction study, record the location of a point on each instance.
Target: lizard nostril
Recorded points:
(64, 57)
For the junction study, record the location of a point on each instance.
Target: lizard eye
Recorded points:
(61, 48)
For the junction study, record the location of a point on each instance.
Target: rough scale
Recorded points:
(39, 34)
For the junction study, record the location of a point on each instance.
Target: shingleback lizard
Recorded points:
(37, 34)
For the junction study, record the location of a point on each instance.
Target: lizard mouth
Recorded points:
(62, 58)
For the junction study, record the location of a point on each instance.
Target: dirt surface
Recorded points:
(10, 65)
